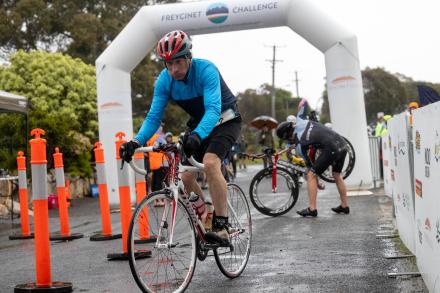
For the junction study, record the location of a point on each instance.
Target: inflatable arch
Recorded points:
(344, 82)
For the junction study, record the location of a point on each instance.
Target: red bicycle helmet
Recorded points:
(173, 45)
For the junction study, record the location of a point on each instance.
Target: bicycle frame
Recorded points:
(177, 189)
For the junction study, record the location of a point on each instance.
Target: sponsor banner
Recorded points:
(208, 16)
(386, 164)
(401, 179)
(426, 130)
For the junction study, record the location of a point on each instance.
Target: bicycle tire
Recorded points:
(241, 235)
(327, 175)
(166, 258)
(292, 185)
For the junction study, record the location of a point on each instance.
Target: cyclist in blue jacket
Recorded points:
(198, 88)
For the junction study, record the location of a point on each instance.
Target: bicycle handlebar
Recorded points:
(162, 148)
(262, 155)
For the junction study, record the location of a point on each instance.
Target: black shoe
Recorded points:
(307, 212)
(339, 209)
(219, 237)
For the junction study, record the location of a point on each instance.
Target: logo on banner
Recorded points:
(427, 161)
(392, 175)
(395, 155)
(342, 79)
(389, 141)
(437, 147)
(405, 200)
(419, 229)
(418, 141)
(217, 12)
(437, 236)
(419, 188)
(427, 233)
(428, 224)
(402, 148)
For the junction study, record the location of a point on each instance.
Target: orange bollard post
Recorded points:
(41, 221)
(125, 206)
(64, 234)
(103, 198)
(68, 195)
(23, 194)
(141, 193)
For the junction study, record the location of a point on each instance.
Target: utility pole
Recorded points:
(273, 61)
(296, 83)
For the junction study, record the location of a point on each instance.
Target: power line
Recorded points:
(296, 80)
(274, 61)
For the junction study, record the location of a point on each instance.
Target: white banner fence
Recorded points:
(411, 164)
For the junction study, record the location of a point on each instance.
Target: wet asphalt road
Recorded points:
(330, 253)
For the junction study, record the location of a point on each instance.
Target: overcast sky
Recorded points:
(400, 35)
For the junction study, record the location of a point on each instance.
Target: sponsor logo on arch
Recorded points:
(217, 12)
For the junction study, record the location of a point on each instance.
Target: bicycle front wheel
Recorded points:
(171, 265)
(232, 260)
(272, 201)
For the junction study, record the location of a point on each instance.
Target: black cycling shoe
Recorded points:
(339, 209)
(307, 212)
(219, 237)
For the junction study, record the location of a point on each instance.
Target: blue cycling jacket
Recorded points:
(203, 94)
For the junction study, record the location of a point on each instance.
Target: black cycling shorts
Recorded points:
(220, 140)
(327, 157)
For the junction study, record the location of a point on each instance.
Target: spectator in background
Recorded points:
(241, 157)
(411, 106)
(380, 125)
(265, 140)
(169, 137)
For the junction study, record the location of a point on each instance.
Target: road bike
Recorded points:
(175, 234)
(274, 190)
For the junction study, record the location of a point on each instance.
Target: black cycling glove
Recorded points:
(192, 144)
(126, 151)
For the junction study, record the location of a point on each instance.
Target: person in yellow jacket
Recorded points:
(381, 125)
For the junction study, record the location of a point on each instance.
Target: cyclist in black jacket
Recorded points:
(333, 150)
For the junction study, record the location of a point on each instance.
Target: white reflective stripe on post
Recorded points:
(139, 177)
(39, 181)
(100, 173)
(22, 179)
(59, 176)
(123, 175)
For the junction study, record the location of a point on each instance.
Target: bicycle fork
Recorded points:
(274, 173)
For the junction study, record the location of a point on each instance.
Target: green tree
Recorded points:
(80, 28)
(383, 93)
(62, 91)
(256, 102)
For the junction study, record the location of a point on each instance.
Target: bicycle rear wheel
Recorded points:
(232, 260)
(171, 266)
(274, 202)
(350, 160)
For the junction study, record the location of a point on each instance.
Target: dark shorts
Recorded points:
(220, 140)
(330, 156)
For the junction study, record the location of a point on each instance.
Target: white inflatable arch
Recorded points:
(344, 83)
